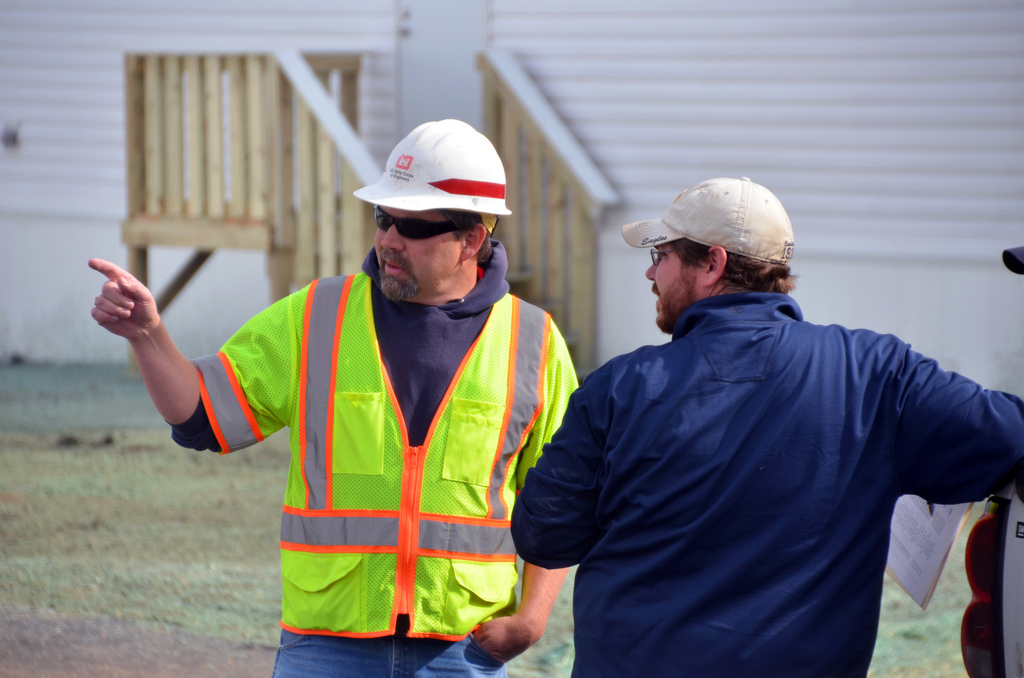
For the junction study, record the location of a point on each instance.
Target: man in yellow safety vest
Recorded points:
(417, 393)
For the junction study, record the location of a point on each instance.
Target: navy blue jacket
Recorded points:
(728, 495)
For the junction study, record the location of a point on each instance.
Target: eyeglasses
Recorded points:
(414, 229)
(658, 255)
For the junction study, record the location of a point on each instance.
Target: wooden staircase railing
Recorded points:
(556, 195)
(246, 151)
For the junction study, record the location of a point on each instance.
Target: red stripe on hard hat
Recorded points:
(481, 189)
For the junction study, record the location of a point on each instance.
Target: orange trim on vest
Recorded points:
(341, 634)
(240, 395)
(303, 359)
(370, 634)
(329, 437)
(212, 416)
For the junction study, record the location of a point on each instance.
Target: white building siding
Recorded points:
(907, 116)
(893, 132)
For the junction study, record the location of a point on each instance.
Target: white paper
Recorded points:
(920, 539)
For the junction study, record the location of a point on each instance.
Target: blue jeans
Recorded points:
(301, 656)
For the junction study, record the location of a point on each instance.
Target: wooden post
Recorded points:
(257, 138)
(355, 221)
(582, 255)
(534, 227)
(280, 126)
(511, 234)
(326, 206)
(214, 137)
(181, 278)
(238, 136)
(326, 195)
(196, 122)
(284, 134)
(350, 96)
(154, 130)
(175, 171)
(305, 233)
(492, 129)
(555, 287)
(135, 135)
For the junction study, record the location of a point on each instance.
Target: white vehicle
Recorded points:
(992, 633)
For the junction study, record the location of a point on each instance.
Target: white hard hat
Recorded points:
(441, 165)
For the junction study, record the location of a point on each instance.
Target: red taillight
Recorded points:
(976, 638)
(980, 556)
(977, 633)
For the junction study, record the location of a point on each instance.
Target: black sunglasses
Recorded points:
(414, 229)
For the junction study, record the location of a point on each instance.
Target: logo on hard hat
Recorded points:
(404, 162)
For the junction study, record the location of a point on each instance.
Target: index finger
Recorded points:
(111, 270)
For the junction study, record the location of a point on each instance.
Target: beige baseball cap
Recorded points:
(741, 216)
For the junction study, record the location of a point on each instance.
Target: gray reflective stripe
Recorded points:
(229, 413)
(435, 535)
(319, 344)
(461, 538)
(525, 399)
(339, 530)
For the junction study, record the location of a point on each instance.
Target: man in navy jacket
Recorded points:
(728, 495)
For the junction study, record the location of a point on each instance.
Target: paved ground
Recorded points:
(44, 644)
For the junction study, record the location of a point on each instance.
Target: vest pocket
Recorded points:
(478, 591)
(472, 441)
(358, 445)
(323, 591)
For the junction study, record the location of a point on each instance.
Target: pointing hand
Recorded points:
(125, 306)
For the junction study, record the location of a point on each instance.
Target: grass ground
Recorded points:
(120, 522)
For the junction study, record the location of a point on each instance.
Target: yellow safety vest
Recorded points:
(372, 527)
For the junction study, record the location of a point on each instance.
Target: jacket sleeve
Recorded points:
(196, 433)
(955, 440)
(554, 521)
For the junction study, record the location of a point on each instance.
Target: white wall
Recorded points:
(892, 131)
